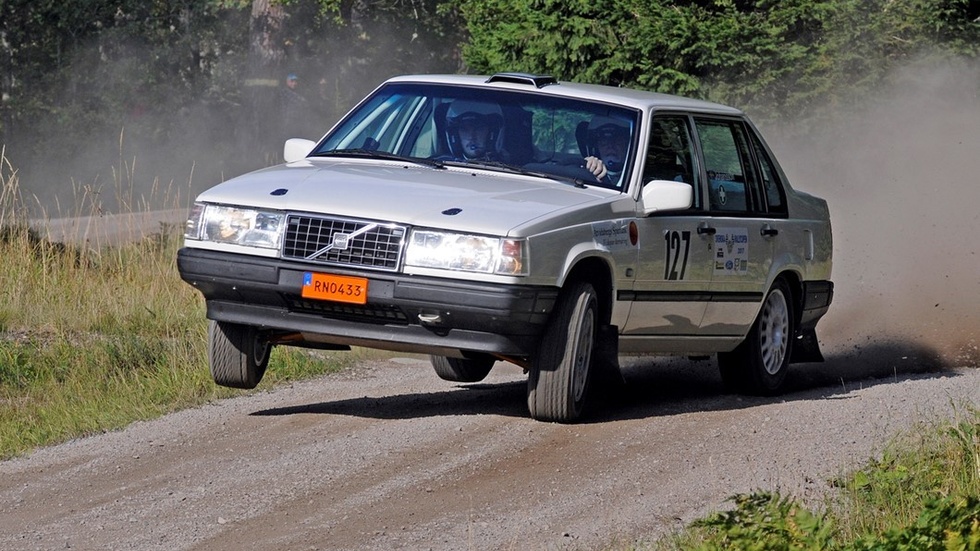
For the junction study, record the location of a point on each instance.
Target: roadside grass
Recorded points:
(96, 336)
(922, 494)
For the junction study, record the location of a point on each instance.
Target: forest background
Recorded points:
(182, 94)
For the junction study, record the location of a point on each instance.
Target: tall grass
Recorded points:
(925, 466)
(96, 327)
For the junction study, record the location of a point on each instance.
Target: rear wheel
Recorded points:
(558, 382)
(462, 370)
(759, 364)
(236, 354)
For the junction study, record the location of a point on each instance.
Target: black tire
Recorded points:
(558, 381)
(462, 370)
(759, 364)
(236, 354)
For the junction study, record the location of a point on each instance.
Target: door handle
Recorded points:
(705, 229)
(768, 231)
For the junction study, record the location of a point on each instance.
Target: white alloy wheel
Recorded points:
(759, 364)
(774, 326)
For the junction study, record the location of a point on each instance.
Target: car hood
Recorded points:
(480, 201)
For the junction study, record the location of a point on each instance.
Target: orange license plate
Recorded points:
(335, 287)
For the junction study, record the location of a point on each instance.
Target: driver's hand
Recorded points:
(596, 167)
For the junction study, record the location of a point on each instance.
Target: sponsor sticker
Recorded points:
(611, 235)
(732, 251)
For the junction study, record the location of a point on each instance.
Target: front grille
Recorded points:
(373, 313)
(342, 242)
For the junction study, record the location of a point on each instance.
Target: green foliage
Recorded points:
(86, 65)
(763, 521)
(766, 522)
(951, 524)
(924, 467)
(629, 43)
(789, 56)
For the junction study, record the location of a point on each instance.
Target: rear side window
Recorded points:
(771, 184)
(733, 186)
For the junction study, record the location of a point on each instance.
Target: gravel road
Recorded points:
(388, 456)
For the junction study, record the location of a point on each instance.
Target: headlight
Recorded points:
(235, 225)
(468, 253)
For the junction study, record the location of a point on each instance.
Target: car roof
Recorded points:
(542, 84)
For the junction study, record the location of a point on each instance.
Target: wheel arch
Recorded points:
(806, 347)
(795, 283)
(597, 271)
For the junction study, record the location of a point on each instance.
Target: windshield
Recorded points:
(527, 131)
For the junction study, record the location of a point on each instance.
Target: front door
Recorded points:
(670, 291)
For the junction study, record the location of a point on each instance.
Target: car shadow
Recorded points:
(654, 387)
(506, 399)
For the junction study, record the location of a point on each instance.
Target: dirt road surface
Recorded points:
(390, 457)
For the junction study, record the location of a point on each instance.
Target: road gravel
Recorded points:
(388, 456)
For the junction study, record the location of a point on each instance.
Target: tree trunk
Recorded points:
(265, 45)
(262, 83)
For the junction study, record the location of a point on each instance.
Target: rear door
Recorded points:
(740, 191)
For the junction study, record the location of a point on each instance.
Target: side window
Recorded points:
(771, 184)
(732, 183)
(422, 139)
(670, 154)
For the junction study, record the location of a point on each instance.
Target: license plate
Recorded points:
(335, 287)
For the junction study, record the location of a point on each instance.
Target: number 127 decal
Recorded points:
(678, 247)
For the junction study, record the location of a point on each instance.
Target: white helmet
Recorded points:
(608, 128)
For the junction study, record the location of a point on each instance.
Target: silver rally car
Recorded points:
(516, 218)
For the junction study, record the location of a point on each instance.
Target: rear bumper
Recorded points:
(460, 315)
(817, 296)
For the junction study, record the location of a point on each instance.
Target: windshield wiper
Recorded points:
(375, 154)
(513, 169)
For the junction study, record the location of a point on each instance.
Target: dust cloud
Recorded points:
(134, 147)
(902, 177)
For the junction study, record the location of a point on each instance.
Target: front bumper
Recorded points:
(459, 316)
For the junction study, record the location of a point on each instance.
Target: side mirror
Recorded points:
(666, 195)
(296, 149)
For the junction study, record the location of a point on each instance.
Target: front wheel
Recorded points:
(759, 364)
(236, 354)
(560, 373)
(462, 370)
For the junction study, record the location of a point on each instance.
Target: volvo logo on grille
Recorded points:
(340, 241)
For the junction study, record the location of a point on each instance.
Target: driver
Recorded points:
(472, 128)
(610, 140)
